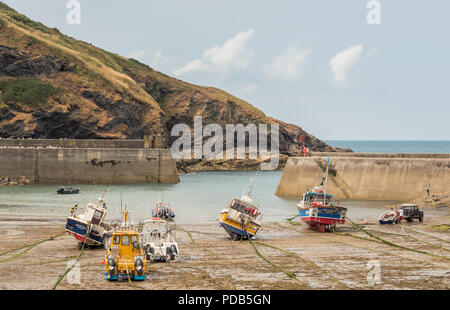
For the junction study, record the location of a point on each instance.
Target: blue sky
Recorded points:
(317, 63)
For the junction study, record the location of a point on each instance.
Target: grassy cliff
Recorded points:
(54, 86)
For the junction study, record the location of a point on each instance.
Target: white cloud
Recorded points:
(195, 65)
(154, 59)
(343, 62)
(233, 55)
(288, 66)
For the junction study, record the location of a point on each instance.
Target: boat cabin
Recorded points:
(94, 213)
(312, 197)
(157, 229)
(125, 244)
(244, 207)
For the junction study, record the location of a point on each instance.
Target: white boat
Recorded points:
(388, 217)
(89, 227)
(158, 240)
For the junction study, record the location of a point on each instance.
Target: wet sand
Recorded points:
(210, 260)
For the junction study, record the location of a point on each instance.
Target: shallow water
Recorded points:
(197, 198)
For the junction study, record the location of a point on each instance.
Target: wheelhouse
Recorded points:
(312, 197)
(244, 207)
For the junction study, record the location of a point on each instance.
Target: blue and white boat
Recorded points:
(89, 227)
(388, 217)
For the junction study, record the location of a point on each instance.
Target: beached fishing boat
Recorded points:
(319, 210)
(124, 256)
(68, 191)
(242, 218)
(388, 217)
(163, 211)
(158, 240)
(89, 227)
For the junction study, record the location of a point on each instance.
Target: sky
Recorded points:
(318, 64)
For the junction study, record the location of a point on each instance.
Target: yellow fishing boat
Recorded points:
(124, 257)
(241, 219)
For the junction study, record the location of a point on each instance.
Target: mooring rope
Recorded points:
(394, 244)
(292, 218)
(129, 279)
(56, 261)
(388, 242)
(303, 259)
(290, 275)
(76, 261)
(195, 243)
(210, 279)
(411, 237)
(356, 246)
(429, 235)
(27, 248)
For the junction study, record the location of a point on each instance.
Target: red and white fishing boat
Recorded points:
(319, 210)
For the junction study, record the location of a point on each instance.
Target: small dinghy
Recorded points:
(388, 217)
(68, 191)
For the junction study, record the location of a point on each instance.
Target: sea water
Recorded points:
(421, 147)
(199, 197)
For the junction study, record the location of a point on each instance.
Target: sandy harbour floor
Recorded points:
(210, 260)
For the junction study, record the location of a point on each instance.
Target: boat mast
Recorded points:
(104, 192)
(252, 184)
(326, 181)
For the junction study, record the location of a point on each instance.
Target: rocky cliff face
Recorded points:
(53, 86)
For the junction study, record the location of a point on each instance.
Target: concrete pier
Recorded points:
(56, 165)
(368, 176)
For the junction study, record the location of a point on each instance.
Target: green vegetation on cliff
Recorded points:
(30, 92)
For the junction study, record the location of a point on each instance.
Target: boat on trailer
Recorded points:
(388, 217)
(319, 210)
(89, 227)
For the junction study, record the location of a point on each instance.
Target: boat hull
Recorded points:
(71, 192)
(388, 218)
(390, 222)
(234, 229)
(78, 229)
(323, 217)
(124, 277)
